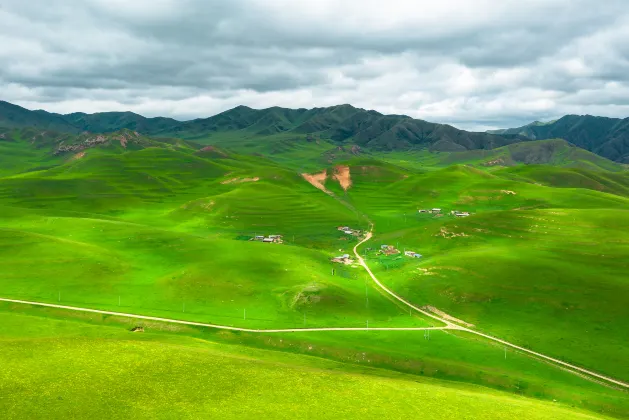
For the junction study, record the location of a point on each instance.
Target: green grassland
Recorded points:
(556, 152)
(551, 280)
(529, 256)
(160, 229)
(163, 229)
(60, 365)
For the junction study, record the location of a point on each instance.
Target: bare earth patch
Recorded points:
(446, 316)
(78, 156)
(427, 272)
(317, 180)
(240, 180)
(508, 192)
(341, 174)
(449, 235)
(497, 162)
(213, 149)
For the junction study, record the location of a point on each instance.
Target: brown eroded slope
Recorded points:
(318, 180)
(342, 175)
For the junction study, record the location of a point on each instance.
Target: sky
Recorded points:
(474, 64)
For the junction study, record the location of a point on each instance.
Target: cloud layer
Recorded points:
(474, 64)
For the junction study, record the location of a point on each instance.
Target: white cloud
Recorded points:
(474, 64)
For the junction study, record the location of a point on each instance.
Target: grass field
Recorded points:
(57, 366)
(164, 231)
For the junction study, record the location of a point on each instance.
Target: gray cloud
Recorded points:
(474, 64)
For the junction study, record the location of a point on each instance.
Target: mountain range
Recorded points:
(343, 124)
(607, 137)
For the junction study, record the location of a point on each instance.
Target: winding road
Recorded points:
(448, 325)
(451, 326)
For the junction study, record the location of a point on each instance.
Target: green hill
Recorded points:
(28, 149)
(607, 137)
(13, 116)
(116, 373)
(166, 227)
(342, 124)
(554, 152)
(106, 122)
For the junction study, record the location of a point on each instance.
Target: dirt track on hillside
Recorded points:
(450, 325)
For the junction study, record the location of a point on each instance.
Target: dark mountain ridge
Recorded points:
(607, 137)
(343, 124)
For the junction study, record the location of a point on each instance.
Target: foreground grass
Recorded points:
(60, 369)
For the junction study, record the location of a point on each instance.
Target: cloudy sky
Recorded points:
(475, 64)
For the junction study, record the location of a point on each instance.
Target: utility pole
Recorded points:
(59, 296)
(244, 314)
(184, 307)
(505, 352)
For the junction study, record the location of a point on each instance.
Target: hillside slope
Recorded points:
(342, 123)
(607, 137)
(553, 152)
(13, 116)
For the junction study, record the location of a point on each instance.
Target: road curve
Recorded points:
(451, 326)
(220, 327)
(448, 325)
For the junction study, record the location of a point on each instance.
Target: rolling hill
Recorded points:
(338, 123)
(607, 137)
(342, 124)
(163, 226)
(13, 116)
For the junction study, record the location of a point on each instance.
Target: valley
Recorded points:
(513, 290)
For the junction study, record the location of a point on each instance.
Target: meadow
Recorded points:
(183, 372)
(165, 231)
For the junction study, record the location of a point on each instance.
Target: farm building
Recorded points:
(343, 228)
(422, 211)
(462, 214)
(435, 211)
(388, 250)
(343, 259)
(412, 254)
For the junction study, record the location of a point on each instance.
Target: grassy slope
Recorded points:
(167, 240)
(212, 378)
(157, 227)
(559, 261)
(556, 152)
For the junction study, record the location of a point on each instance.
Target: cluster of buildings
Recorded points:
(432, 211)
(391, 250)
(453, 212)
(273, 239)
(349, 231)
(343, 259)
(412, 254)
(388, 250)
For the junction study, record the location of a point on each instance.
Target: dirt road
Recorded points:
(448, 325)
(220, 327)
(451, 326)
